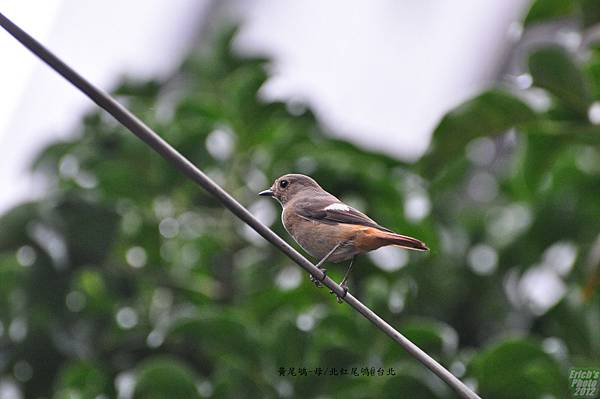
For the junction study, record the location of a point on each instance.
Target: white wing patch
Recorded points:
(337, 207)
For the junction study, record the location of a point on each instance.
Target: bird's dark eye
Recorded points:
(284, 183)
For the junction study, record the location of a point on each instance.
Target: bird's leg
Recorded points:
(320, 266)
(344, 282)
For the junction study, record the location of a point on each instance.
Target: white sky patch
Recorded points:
(594, 113)
(481, 151)
(220, 144)
(136, 257)
(560, 257)
(338, 206)
(324, 67)
(541, 288)
(264, 211)
(288, 278)
(144, 46)
(506, 223)
(305, 321)
(389, 259)
(416, 207)
(483, 259)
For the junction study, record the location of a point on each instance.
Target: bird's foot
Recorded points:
(319, 282)
(340, 299)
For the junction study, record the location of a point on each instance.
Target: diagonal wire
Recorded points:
(147, 135)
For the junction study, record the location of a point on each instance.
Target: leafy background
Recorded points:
(126, 280)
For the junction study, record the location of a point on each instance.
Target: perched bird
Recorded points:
(327, 228)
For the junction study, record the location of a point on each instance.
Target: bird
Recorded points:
(328, 229)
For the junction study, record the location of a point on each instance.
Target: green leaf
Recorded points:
(553, 69)
(570, 132)
(11, 275)
(542, 10)
(88, 229)
(217, 335)
(84, 378)
(436, 338)
(406, 386)
(571, 322)
(592, 72)
(538, 153)
(98, 299)
(433, 337)
(165, 377)
(517, 368)
(490, 113)
(590, 10)
(47, 160)
(543, 142)
(13, 225)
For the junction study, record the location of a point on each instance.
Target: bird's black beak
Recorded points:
(267, 193)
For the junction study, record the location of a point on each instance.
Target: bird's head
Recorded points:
(288, 186)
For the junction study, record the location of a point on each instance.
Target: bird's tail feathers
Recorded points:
(404, 241)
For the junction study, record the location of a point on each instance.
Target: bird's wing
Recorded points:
(333, 212)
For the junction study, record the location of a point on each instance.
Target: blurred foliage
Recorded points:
(127, 280)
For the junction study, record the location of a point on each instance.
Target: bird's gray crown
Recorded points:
(288, 186)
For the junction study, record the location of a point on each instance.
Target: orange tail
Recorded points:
(370, 238)
(403, 241)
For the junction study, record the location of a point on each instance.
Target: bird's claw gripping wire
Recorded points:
(319, 281)
(340, 299)
(344, 282)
